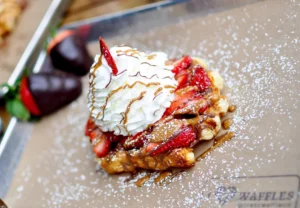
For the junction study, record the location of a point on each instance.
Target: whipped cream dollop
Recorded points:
(127, 103)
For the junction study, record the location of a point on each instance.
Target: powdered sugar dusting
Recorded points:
(258, 57)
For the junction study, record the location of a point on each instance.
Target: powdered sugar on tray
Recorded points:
(258, 57)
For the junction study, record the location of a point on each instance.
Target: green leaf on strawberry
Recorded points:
(16, 108)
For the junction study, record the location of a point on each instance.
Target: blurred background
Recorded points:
(82, 9)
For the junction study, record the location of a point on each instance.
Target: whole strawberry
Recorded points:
(68, 53)
(41, 94)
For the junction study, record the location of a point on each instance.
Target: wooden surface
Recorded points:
(83, 9)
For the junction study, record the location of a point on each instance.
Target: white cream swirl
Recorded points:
(137, 96)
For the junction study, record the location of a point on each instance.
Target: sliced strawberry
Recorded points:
(102, 146)
(136, 141)
(114, 138)
(90, 126)
(204, 108)
(182, 78)
(58, 38)
(136, 136)
(95, 134)
(200, 79)
(107, 55)
(28, 99)
(182, 139)
(181, 64)
(181, 100)
(151, 146)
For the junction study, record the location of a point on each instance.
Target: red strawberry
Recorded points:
(68, 53)
(27, 98)
(94, 134)
(200, 79)
(45, 93)
(181, 100)
(136, 141)
(114, 138)
(101, 146)
(182, 78)
(107, 55)
(58, 38)
(204, 108)
(181, 64)
(90, 126)
(182, 139)
(151, 146)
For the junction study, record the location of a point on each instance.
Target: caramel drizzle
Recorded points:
(162, 177)
(157, 91)
(120, 88)
(126, 130)
(142, 180)
(154, 65)
(157, 95)
(218, 142)
(167, 119)
(151, 57)
(127, 55)
(168, 63)
(123, 117)
(110, 78)
(148, 64)
(154, 75)
(99, 63)
(121, 72)
(155, 111)
(129, 52)
(119, 129)
(232, 108)
(130, 103)
(170, 87)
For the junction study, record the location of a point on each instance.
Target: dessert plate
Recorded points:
(255, 48)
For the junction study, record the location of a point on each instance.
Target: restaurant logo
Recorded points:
(257, 192)
(225, 194)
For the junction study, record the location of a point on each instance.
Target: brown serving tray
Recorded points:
(254, 46)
